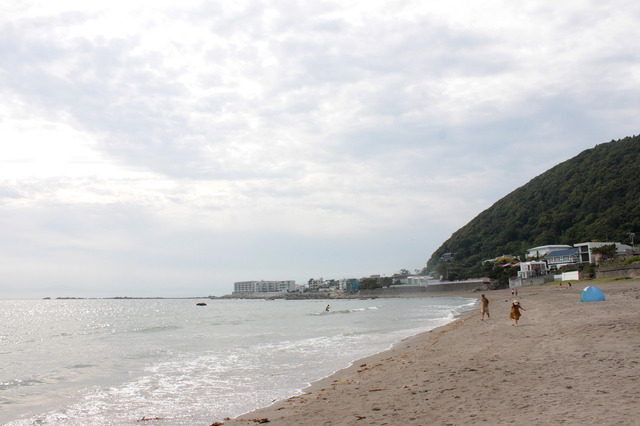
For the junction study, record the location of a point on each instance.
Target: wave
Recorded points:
(75, 366)
(343, 311)
(18, 383)
(156, 329)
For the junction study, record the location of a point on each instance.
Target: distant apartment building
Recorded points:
(348, 285)
(244, 287)
(315, 284)
(250, 287)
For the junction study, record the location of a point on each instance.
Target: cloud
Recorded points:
(287, 136)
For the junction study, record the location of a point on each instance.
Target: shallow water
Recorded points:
(117, 361)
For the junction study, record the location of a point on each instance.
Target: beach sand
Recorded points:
(567, 363)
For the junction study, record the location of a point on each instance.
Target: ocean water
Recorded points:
(115, 362)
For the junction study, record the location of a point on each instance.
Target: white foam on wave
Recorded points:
(242, 356)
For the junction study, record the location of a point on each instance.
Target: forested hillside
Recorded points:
(594, 196)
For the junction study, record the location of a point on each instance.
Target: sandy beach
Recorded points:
(567, 363)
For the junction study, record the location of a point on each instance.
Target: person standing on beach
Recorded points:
(485, 307)
(515, 312)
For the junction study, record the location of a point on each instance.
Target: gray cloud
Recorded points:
(282, 132)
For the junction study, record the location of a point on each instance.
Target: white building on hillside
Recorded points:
(534, 268)
(544, 250)
(560, 258)
(584, 250)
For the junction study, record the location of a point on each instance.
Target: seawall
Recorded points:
(627, 271)
(419, 290)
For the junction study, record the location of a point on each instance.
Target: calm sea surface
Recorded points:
(113, 362)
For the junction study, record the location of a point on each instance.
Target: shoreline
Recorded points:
(470, 371)
(252, 415)
(319, 382)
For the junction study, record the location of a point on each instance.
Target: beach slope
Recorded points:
(568, 362)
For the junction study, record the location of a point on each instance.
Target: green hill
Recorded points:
(594, 196)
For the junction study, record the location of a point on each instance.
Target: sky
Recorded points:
(173, 148)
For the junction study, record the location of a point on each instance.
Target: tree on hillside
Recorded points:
(369, 284)
(403, 273)
(372, 283)
(606, 252)
(385, 281)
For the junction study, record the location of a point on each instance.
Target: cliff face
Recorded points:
(594, 196)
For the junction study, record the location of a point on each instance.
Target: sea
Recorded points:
(125, 361)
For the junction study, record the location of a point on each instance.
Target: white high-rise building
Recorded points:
(249, 287)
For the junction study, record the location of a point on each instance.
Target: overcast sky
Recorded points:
(170, 148)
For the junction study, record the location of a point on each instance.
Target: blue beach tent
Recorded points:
(591, 294)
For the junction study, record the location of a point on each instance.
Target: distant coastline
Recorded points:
(451, 290)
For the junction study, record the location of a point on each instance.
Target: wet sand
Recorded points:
(567, 363)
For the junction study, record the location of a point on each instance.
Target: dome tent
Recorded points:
(591, 294)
